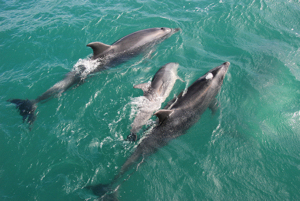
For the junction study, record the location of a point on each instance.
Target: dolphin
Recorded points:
(176, 118)
(104, 56)
(155, 93)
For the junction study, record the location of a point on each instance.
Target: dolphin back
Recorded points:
(155, 94)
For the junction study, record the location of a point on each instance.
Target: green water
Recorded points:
(248, 150)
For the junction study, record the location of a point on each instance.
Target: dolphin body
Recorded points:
(155, 93)
(106, 56)
(178, 116)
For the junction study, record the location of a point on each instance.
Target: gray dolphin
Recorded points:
(155, 93)
(104, 56)
(178, 116)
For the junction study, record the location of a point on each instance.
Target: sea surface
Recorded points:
(248, 150)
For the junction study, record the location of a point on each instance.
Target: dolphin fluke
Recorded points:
(104, 191)
(99, 189)
(26, 108)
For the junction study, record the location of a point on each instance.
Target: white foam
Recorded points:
(209, 76)
(137, 103)
(85, 66)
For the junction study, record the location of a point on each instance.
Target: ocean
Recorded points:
(248, 150)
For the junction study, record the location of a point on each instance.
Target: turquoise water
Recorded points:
(248, 150)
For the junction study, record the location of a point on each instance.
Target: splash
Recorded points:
(84, 67)
(144, 104)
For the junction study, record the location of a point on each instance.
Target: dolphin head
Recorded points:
(171, 66)
(163, 32)
(213, 79)
(139, 41)
(202, 91)
(170, 30)
(165, 74)
(217, 74)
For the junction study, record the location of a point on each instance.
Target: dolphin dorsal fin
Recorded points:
(98, 47)
(144, 87)
(163, 114)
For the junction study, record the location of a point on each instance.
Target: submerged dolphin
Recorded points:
(155, 93)
(178, 116)
(106, 56)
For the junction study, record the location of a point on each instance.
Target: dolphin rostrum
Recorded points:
(104, 56)
(178, 116)
(155, 93)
